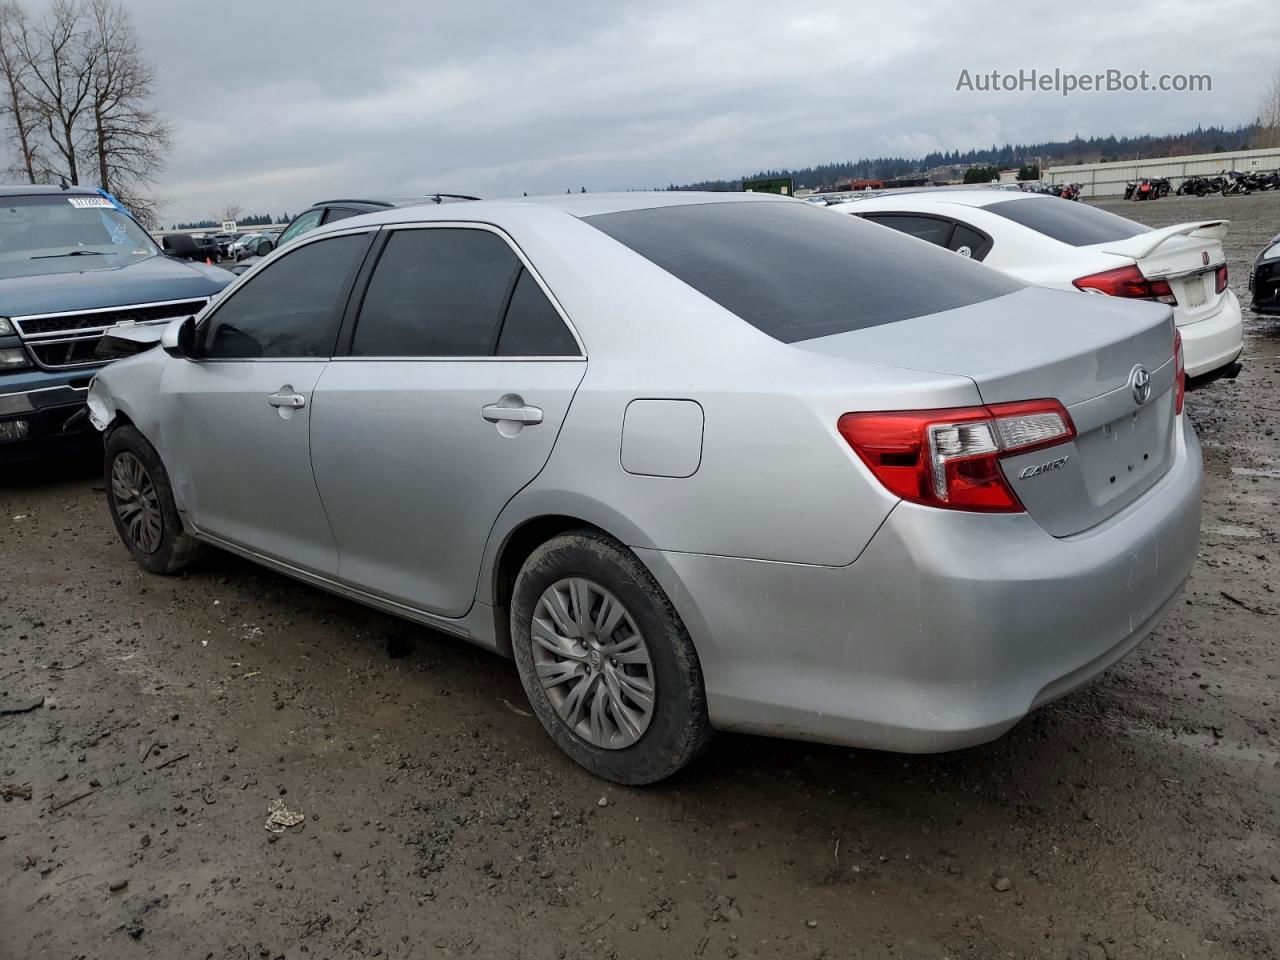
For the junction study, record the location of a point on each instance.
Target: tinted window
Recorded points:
(968, 242)
(436, 293)
(1067, 221)
(291, 308)
(340, 213)
(532, 327)
(307, 221)
(922, 228)
(796, 271)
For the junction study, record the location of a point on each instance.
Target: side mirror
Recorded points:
(179, 337)
(264, 247)
(179, 245)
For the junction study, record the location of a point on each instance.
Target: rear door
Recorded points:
(459, 374)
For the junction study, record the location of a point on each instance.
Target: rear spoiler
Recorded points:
(1144, 244)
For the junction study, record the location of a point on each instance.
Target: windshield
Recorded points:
(67, 233)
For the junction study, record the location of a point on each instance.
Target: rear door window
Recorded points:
(340, 213)
(796, 271)
(532, 327)
(1067, 221)
(436, 292)
(934, 229)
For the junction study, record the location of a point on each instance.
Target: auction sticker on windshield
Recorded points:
(84, 202)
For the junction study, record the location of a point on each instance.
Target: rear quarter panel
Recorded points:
(776, 481)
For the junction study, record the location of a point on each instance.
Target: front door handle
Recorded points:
(511, 409)
(285, 397)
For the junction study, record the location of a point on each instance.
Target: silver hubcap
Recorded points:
(137, 503)
(593, 663)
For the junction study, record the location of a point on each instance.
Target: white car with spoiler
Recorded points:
(1057, 243)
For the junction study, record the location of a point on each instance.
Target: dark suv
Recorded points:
(327, 211)
(73, 263)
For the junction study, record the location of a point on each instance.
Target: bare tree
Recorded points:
(129, 140)
(230, 211)
(16, 108)
(1269, 111)
(60, 59)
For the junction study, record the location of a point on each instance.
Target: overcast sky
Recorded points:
(278, 103)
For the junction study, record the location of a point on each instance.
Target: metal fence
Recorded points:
(1108, 179)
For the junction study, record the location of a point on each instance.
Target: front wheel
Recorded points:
(141, 503)
(607, 665)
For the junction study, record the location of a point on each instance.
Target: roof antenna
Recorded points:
(63, 182)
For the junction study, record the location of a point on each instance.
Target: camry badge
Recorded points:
(1140, 384)
(1040, 468)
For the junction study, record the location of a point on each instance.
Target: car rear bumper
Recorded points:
(1215, 341)
(948, 629)
(51, 409)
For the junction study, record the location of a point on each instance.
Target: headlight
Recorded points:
(1271, 253)
(6, 328)
(13, 358)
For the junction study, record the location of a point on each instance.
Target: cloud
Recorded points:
(281, 103)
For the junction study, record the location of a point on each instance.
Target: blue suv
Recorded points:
(73, 263)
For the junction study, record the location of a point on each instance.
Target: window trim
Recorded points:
(355, 302)
(277, 254)
(987, 242)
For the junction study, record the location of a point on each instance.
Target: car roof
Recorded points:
(36, 189)
(965, 197)
(381, 202)
(574, 204)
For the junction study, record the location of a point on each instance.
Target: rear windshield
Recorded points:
(1067, 221)
(796, 271)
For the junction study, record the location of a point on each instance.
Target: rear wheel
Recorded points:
(142, 506)
(605, 661)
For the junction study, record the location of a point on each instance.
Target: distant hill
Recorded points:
(1056, 152)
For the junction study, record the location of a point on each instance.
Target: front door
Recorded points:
(424, 432)
(238, 413)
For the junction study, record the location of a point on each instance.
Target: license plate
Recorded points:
(1194, 289)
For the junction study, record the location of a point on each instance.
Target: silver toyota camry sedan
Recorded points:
(694, 462)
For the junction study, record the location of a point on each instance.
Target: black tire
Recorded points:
(173, 549)
(678, 729)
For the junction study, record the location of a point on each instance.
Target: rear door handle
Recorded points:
(511, 409)
(285, 397)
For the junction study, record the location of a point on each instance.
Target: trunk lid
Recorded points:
(1187, 256)
(1079, 349)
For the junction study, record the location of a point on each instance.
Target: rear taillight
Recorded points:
(1127, 282)
(1220, 279)
(951, 458)
(1179, 373)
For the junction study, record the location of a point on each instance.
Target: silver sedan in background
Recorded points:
(693, 461)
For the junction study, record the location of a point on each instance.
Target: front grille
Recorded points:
(71, 339)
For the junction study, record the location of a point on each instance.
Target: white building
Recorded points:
(1108, 179)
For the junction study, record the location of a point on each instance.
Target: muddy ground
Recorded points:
(1135, 818)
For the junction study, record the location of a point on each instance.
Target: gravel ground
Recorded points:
(1137, 817)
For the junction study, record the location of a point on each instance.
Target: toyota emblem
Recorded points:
(1140, 384)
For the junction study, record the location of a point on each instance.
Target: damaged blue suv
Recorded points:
(73, 263)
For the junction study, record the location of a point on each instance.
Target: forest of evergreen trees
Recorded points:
(1075, 150)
